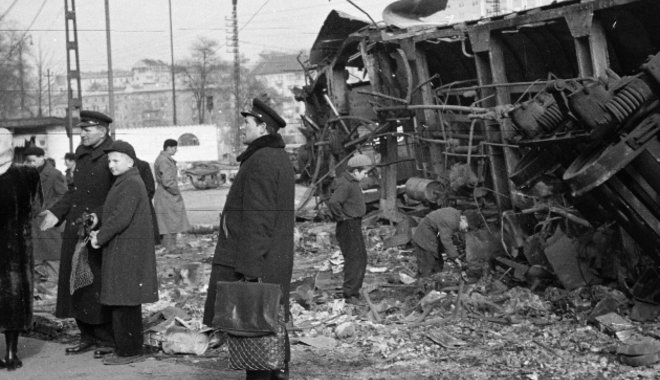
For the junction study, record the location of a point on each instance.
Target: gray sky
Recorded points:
(140, 28)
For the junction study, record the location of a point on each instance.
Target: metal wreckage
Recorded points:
(547, 121)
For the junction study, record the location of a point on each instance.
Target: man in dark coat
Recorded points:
(46, 244)
(433, 236)
(256, 229)
(20, 200)
(92, 181)
(129, 260)
(148, 178)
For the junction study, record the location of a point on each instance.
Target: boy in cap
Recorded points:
(46, 244)
(126, 240)
(92, 181)
(347, 206)
(255, 241)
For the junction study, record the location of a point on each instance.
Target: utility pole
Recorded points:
(111, 84)
(172, 67)
(237, 78)
(49, 103)
(73, 73)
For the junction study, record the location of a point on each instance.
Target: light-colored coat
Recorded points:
(168, 202)
(47, 244)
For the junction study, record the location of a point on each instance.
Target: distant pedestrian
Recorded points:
(20, 201)
(168, 201)
(70, 163)
(129, 260)
(46, 244)
(347, 207)
(433, 237)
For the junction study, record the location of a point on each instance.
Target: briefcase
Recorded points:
(247, 308)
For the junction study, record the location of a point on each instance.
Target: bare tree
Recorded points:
(14, 73)
(202, 72)
(42, 63)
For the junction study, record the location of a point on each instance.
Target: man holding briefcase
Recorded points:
(255, 242)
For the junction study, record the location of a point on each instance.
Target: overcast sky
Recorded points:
(140, 28)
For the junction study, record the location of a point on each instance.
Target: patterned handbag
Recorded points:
(258, 353)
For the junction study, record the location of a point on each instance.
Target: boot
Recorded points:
(12, 361)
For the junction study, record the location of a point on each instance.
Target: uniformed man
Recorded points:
(91, 182)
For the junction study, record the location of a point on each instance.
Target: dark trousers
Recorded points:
(225, 273)
(99, 334)
(428, 262)
(351, 243)
(127, 329)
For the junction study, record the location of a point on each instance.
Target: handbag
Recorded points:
(257, 353)
(248, 309)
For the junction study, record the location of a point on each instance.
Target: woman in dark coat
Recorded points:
(256, 229)
(129, 261)
(20, 201)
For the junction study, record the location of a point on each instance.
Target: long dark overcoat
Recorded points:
(91, 183)
(126, 236)
(258, 218)
(47, 244)
(148, 178)
(20, 200)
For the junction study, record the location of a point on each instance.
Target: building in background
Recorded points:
(282, 72)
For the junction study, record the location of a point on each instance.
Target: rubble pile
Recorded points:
(496, 327)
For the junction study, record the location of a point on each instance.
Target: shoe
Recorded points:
(100, 352)
(13, 363)
(79, 348)
(355, 301)
(121, 360)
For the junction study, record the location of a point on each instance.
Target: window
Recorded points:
(188, 139)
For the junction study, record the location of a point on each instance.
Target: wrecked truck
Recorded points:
(544, 120)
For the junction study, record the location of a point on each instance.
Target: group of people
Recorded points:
(112, 216)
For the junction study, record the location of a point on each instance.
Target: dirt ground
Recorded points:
(414, 329)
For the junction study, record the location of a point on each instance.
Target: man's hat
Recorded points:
(121, 147)
(264, 113)
(359, 160)
(33, 151)
(93, 118)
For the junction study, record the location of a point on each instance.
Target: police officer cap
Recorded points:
(121, 147)
(262, 112)
(93, 118)
(359, 160)
(33, 151)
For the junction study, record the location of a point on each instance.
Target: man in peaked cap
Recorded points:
(91, 182)
(255, 241)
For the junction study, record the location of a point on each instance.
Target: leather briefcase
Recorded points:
(247, 308)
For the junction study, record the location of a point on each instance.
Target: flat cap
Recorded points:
(264, 113)
(93, 118)
(33, 151)
(359, 160)
(121, 147)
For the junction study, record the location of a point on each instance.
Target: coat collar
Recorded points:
(267, 141)
(132, 172)
(46, 169)
(166, 156)
(95, 153)
(349, 177)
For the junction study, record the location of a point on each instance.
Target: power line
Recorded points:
(8, 9)
(254, 15)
